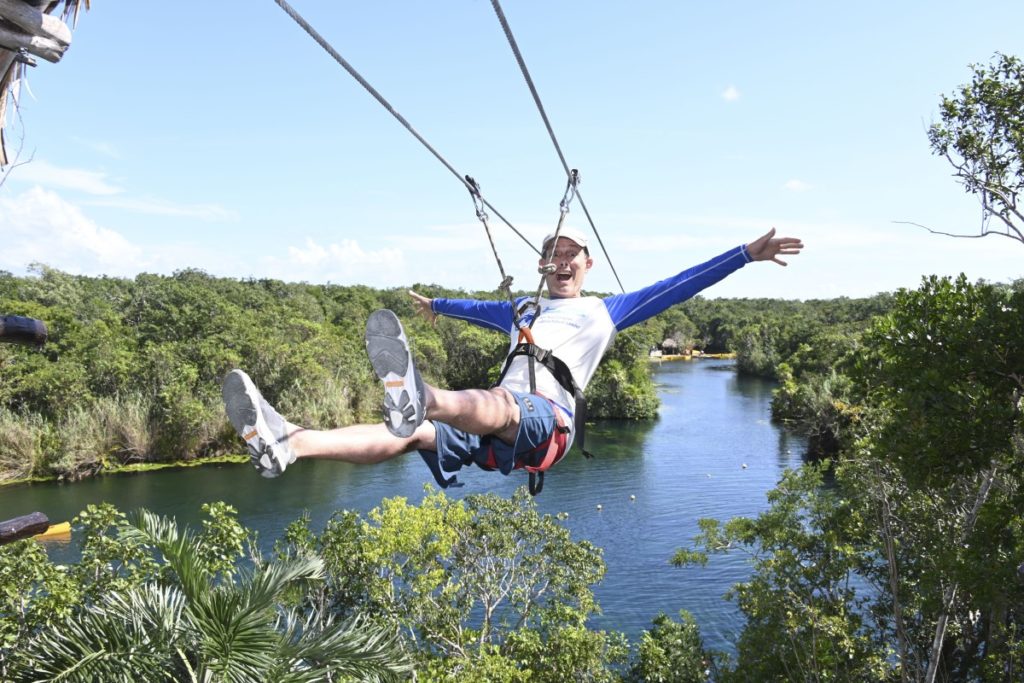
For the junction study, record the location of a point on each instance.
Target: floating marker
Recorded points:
(599, 507)
(744, 465)
(632, 497)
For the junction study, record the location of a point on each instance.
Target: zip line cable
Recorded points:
(547, 123)
(473, 190)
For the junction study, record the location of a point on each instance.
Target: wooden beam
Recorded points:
(46, 48)
(23, 527)
(6, 65)
(34, 22)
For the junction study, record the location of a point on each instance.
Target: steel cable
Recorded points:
(380, 98)
(547, 124)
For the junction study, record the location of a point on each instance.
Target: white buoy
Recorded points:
(632, 497)
(599, 507)
(744, 465)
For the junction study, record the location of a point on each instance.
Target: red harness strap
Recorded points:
(553, 448)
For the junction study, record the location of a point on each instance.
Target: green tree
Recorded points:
(944, 422)
(485, 585)
(981, 134)
(35, 596)
(622, 387)
(671, 652)
(906, 565)
(803, 621)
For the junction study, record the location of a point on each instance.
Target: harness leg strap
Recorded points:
(536, 483)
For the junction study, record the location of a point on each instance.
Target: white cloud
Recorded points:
(161, 207)
(795, 185)
(471, 237)
(731, 94)
(39, 226)
(96, 183)
(104, 148)
(46, 174)
(343, 262)
(347, 253)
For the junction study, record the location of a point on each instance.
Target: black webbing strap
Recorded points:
(536, 483)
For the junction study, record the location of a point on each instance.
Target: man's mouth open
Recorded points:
(563, 277)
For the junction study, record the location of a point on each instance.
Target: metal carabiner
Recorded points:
(570, 191)
(22, 56)
(478, 200)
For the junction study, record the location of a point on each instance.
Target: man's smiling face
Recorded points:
(571, 265)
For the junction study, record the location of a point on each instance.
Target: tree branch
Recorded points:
(949, 594)
(960, 235)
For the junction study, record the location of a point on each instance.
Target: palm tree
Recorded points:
(191, 627)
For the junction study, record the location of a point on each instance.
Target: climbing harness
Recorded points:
(537, 460)
(537, 466)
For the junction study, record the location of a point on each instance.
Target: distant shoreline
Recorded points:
(692, 356)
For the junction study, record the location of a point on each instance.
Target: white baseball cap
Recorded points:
(573, 234)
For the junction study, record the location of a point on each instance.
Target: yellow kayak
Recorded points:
(56, 531)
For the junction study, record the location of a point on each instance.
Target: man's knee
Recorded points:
(510, 414)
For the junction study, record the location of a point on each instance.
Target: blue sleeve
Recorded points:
(635, 307)
(492, 315)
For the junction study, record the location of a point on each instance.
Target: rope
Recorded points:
(290, 11)
(478, 202)
(547, 124)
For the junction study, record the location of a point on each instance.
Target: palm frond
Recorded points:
(122, 638)
(180, 549)
(353, 648)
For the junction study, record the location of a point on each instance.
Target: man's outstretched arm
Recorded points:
(635, 307)
(492, 315)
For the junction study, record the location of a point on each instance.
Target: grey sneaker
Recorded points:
(260, 426)
(403, 389)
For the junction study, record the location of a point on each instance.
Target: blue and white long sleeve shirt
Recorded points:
(579, 330)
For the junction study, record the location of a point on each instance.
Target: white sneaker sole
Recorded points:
(241, 402)
(388, 349)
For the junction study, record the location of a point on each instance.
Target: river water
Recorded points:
(712, 453)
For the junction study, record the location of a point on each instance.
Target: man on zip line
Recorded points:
(521, 422)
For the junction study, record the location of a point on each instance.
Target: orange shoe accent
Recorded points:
(394, 384)
(248, 436)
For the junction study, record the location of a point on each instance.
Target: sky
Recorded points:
(195, 135)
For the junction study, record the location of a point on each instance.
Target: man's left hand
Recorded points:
(768, 247)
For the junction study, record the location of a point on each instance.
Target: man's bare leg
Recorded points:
(362, 444)
(410, 404)
(478, 411)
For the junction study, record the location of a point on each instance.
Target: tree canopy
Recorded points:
(981, 134)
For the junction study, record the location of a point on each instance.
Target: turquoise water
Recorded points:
(712, 453)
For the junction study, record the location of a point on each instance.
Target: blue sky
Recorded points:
(195, 135)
